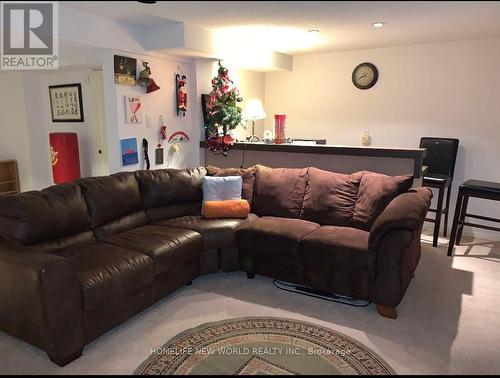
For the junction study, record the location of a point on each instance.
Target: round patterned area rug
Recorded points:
(251, 346)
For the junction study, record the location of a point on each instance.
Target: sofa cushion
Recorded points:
(111, 197)
(248, 176)
(279, 192)
(347, 247)
(106, 272)
(171, 193)
(330, 197)
(163, 187)
(376, 191)
(217, 233)
(169, 248)
(272, 234)
(127, 222)
(222, 188)
(38, 216)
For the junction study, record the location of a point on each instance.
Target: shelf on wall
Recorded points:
(7, 193)
(9, 178)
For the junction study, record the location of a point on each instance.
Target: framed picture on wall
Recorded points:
(66, 103)
(125, 70)
(133, 109)
(129, 151)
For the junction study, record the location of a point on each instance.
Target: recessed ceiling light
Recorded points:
(378, 24)
(313, 31)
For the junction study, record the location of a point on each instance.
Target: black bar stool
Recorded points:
(478, 189)
(440, 160)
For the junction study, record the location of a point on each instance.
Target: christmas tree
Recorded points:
(223, 111)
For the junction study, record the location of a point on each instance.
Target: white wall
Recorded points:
(14, 140)
(446, 90)
(40, 125)
(252, 86)
(161, 102)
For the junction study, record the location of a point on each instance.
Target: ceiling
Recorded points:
(344, 25)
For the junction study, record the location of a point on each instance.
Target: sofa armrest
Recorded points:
(395, 238)
(406, 212)
(41, 303)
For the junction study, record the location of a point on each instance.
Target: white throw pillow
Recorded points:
(222, 188)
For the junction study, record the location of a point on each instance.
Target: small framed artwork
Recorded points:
(159, 156)
(129, 151)
(66, 103)
(133, 109)
(125, 70)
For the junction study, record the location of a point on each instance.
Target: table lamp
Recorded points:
(253, 112)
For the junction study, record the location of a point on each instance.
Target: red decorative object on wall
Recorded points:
(65, 157)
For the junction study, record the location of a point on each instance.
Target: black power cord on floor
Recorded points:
(320, 294)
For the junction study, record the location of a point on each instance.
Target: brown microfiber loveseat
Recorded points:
(78, 259)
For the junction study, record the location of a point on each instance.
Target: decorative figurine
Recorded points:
(145, 80)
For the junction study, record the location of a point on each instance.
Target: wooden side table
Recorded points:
(477, 189)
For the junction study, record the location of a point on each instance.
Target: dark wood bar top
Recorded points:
(328, 149)
(415, 154)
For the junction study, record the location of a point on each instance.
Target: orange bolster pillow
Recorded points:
(226, 209)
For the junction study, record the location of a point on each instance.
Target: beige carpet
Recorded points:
(449, 321)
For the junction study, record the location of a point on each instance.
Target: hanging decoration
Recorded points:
(159, 156)
(145, 152)
(179, 136)
(224, 113)
(181, 86)
(145, 80)
(162, 135)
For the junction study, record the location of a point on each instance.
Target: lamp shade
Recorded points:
(254, 110)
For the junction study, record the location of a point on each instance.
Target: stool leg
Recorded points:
(465, 202)
(453, 234)
(439, 212)
(448, 194)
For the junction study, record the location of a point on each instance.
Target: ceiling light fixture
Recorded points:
(313, 31)
(378, 24)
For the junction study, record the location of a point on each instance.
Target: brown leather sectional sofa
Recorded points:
(78, 259)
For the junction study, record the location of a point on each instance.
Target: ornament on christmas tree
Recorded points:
(224, 114)
(146, 81)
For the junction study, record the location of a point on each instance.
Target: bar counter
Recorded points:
(342, 159)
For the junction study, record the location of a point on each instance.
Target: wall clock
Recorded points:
(365, 75)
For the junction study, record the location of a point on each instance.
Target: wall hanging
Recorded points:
(179, 137)
(223, 111)
(159, 156)
(181, 85)
(145, 153)
(129, 151)
(145, 80)
(162, 136)
(125, 70)
(65, 157)
(66, 103)
(133, 108)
